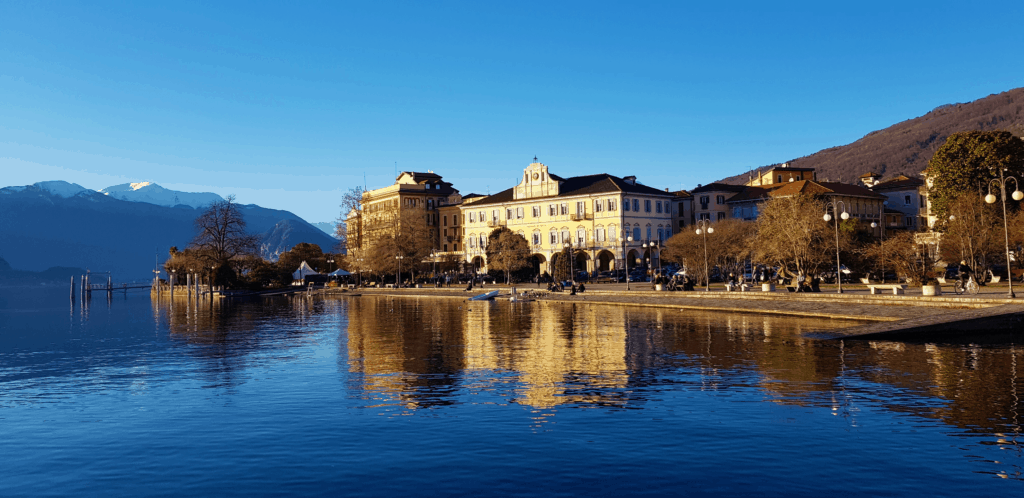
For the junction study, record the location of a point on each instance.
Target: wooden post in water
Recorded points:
(188, 285)
(110, 287)
(72, 288)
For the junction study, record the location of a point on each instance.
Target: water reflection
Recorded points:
(420, 353)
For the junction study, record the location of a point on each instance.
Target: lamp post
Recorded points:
(1017, 195)
(653, 246)
(433, 260)
(881, 232)
(704, 228)
(625, 262)
(330, 263)
(398, 277)
(359, 265)
(834, 204)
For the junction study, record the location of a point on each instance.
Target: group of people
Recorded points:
(573, 288)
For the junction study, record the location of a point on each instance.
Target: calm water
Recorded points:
(389, 396)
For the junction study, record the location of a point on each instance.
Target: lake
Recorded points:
(379, 396)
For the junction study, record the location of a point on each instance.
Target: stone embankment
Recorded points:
(904, 317)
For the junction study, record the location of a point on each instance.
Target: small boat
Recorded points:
(485, 296)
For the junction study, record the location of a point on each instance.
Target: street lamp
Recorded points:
(653, 246)
(625, 262)
(359, 265)
(1017, 195)
(330, 263)
(881, 231)
(398, 277)
(834, 204)
(433, 268)
(704, 228)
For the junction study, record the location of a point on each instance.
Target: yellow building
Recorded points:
(413, 198)
(782, 174)
(604, 217)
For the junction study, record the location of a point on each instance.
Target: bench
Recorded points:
(896, 289)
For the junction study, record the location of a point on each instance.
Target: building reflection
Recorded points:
(427, 351)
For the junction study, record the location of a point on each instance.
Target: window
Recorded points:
(536, 238)
(472, 217)
(581, 208)
(472, 242)
(536, 211)
(430, 203)
(508, 214)
(581, 236)
(565, 208)
(921, 198)
(552, 210)
(636, 233)
(636, 205)
(455, 221)
(455, 247)
(446, 248)
(661, 235)
(611, 233)
(554, 237)
(668, 233)
(737, 212)
(704, 216)
(519, 213)
(704, 201)
(611, 204)
(625, 204)
(910, 221)
(906, 200)
(599, 235)
(483, 216)
(658, 206)
(483, 240)
(780, 178)
(648, 232)
(445, 220)
(494, 215)
(598, 206)
(565, 236)
(721, 216)
(445, 232)
(720, 200)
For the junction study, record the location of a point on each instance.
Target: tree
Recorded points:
(973, 232)
(507, 251)
(967, 162)
(911, 259)
(792, 234)
(351, 214)
(728, 249)
(220, 232)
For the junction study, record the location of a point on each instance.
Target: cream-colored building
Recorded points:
(596, 214)
(413, 198)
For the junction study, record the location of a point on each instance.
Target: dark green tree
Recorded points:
(507, 252)
(967, 162)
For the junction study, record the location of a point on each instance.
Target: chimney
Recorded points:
(629, 179)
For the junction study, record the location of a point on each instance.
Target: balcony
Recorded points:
(495, 223)
(580, 217)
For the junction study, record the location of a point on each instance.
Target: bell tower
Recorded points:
(536, 182)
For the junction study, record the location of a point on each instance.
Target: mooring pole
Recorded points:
(72, 288)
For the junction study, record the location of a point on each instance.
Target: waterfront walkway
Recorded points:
(909, 316)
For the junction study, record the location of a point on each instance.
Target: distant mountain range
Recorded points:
(905, 148)
(123, 230)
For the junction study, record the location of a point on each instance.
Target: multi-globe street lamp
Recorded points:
(880, 224)
(625, 262)
(834, 204)
(653, 246)
(1017, 195)
(398, 277)
(704, 228)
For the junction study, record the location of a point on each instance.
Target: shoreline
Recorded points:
(910, 318)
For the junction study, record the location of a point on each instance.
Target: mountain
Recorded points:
(45, 225)
(155, 194)
(326, 226)
(905, 148)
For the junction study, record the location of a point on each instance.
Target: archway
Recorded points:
(580, 263)
(478, 264)
(631, 258)
(537, 264)
(605, 260)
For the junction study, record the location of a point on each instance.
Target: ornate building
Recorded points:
(606, 219)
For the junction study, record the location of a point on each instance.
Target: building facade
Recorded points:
(608, 221)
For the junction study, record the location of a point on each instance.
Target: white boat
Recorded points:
(485, 296)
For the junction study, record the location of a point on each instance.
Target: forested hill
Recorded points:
(905, 148)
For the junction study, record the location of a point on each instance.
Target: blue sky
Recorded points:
(288, 104)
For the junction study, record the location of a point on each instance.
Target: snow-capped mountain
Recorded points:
(155, 194)
(60, 223)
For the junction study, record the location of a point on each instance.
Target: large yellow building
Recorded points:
(606, 219)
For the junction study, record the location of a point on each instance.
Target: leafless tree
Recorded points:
(220, 232)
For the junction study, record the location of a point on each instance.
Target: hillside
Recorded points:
(905, 148)
(40, 229)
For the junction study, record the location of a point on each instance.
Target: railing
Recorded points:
(495, 223)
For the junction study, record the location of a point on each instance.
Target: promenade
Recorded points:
(885, 316)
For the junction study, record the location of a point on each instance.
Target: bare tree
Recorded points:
(973, 232)
(792, 234)
(220, 232)
(729, 247)
(348, 227)
(911, 259)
